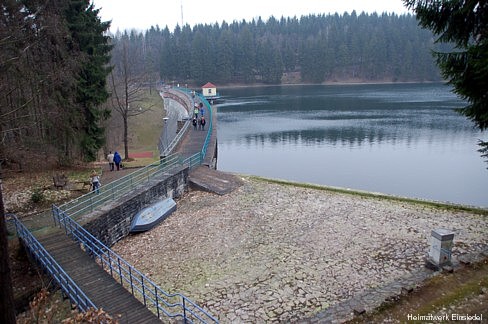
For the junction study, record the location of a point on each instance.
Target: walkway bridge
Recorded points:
(188, 142)
(88, 271)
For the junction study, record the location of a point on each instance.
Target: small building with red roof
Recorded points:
(209, 90)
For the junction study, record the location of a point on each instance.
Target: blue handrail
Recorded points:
(69, 287)
(172, 305)
(210, 126)
(202, 98)
(88, 202)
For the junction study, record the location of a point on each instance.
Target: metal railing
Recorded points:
(175, 306)
(210, 126)
(202, 98)
(187, 104)
(88, 202)
(69, 287)
(193, 160)
(166, 151)
(197, 158)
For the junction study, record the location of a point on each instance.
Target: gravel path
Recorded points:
(279, 253)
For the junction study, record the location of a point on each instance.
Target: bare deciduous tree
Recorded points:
(127, 85)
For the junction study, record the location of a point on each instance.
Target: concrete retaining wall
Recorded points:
(112, 222)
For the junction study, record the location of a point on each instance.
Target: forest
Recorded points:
(66, 80)
(310, 49)
(54, 61)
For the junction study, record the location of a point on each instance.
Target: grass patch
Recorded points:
(139, 162)
(144, 129)
(459, 293)
(83, 174)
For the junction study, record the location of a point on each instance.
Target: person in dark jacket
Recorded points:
(202, 123)
(117, 160)
(201, 109)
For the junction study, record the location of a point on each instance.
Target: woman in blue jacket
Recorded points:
(117, 160)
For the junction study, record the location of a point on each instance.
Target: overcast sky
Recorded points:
(142, 14)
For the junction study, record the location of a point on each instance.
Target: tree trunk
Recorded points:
(7, 307)
(126, 138)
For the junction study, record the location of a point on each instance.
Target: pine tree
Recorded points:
(88, 34)
(464, 23)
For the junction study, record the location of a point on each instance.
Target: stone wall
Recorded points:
(112, 222)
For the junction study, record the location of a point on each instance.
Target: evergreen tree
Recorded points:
(199, 57)
(167, 66)
(152, 48)
(319, 47)
(88, 33)
(464, 23)
(245, 55)
(225, 57)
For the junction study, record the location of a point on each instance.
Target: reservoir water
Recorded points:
(399, 139)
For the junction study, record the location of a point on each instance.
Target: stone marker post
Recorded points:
(440, 247)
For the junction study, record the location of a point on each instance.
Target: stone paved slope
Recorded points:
(277, 253)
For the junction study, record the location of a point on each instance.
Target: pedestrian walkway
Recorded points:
(83, 256)
(95, 282)
(191, 143)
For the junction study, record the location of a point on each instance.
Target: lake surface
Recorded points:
(398, 139)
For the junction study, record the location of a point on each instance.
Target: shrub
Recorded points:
(37, 196)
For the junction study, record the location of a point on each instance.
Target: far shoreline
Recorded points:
(327, 83)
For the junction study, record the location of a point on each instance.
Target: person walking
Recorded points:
(202, 111)
(196, 110)
(110, 158)
(194, 122)
(117, 160)
(95, 182)
(202, 123)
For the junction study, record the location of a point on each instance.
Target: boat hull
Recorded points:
(152, 215)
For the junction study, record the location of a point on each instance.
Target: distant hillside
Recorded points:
(310, 49)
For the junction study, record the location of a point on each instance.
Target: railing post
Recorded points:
(110, 263)
(156, 298)
(143, 291)
(120, 273)
(184, 310)
(64, 223)
(70, 228)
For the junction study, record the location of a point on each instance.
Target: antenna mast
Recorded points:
(181, 13)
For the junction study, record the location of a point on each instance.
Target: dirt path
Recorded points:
(109, 176)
